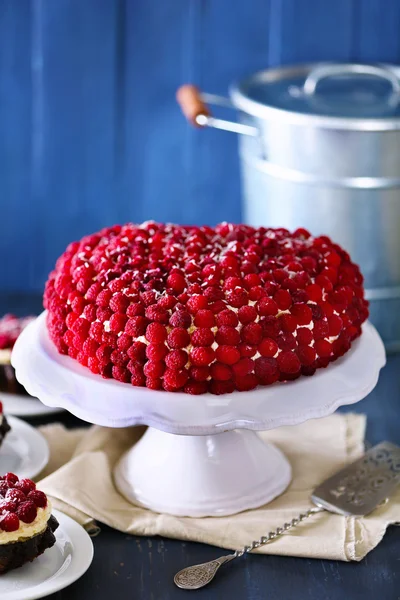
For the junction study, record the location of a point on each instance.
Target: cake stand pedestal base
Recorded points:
(196, 476)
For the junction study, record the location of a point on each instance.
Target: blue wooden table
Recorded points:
(143, 568)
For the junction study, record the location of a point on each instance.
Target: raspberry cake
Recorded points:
(4, 426)
(10, 328)
(26, 523)
(201, 309)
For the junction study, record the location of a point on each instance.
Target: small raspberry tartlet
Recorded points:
(4, 426)
(10, 328)
(201, 309)
(26, 524)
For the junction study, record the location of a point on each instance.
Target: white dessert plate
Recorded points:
(24, 450)
(56, 569)
(26, 406)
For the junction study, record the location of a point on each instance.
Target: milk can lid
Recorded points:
(356, 96)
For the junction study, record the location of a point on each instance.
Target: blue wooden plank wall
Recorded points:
(90, 133)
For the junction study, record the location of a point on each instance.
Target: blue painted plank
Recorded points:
(234, 42)
(17, 213)
(376, 31)
(311, 30)
(155, 179)
(74, 93)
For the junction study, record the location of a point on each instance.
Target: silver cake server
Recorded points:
(355, 491)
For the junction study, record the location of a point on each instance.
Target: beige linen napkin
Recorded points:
(79, 480)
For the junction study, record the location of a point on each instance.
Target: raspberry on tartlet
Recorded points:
(203, 309)
(26, 523)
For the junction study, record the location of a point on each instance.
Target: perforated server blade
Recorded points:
(355, 491)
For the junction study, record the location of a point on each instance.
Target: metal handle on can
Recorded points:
(193, 104)
(324, 71)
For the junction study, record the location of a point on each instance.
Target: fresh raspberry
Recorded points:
(136, 326)
(323, 348)
(243, 367)
(321, 329)
(72, 352)
(196, 303)
(283, 299)
(121, 374)
(324, 282)
(137, 378)
(302, 312)
(314, 292)
(11, 479)
(96, 332)
(124, 342)
(176, 282)
(156, 333)
(15, 495)
(288, 323)
(196, 387)
(267, 306)
(148, 297)
(156, 352)
(202, 337)
(252, 333)
(78, 305)
(202, 356)
(137, 352)
(93, 365)
(266, 369)
(246, 383)
(227, 317)
(228, 336)
(153, 384)
(89, 312)
(317, 312)
(222, 387)
(154, 369)
(268, 347)
(286, 341)
(9, 505)
(271, 327)
(156, 313)
(70, 319)
(27, 512)
(200, 373)
(103, 314)
(228, 355)
(327, 309)
(335, 324)
(135, 310)
(103, 298)
(307, 355)
(220, 372)
(118, 322)
(119, 303)
(9, 522)
(175, 379)
(178, 338)
(204, 318)
(304, 336)
(25, 486)
(181, 318)
(237, 297)
(176, 359)
(247, 349)
(247, 314)
(217, 306)
(103, 354)
(81, 327)
(288, 362)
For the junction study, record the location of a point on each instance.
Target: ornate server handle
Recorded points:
(198, 576)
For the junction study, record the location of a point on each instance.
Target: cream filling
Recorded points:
(5, 356)
(28, 530)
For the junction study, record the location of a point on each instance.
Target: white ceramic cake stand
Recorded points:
(201, 455)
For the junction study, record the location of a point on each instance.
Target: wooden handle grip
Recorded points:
(189, 99)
